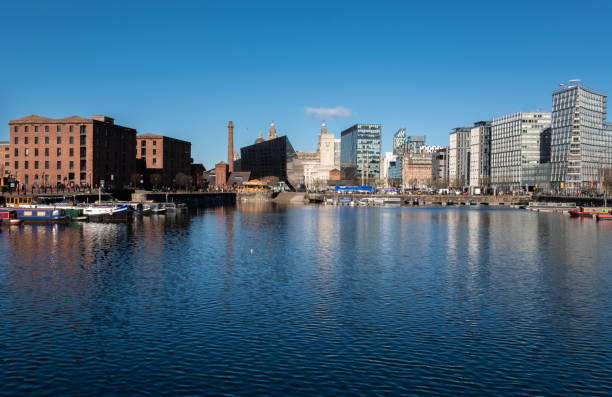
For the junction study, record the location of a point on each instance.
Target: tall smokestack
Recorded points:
(230, 146)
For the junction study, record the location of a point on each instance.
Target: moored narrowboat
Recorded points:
(42, 215)
(605, 217)
(588, 211)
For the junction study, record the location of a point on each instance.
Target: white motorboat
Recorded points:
(158, 209)
(104, 213)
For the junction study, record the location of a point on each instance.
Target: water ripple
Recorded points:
(309, 301)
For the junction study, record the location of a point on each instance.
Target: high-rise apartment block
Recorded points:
(480, 155)
(515, 144)
(580, 141)
(439, 168)
(459, 157)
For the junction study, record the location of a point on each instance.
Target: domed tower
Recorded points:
(259, 138)
(323, 128)
(272, 132)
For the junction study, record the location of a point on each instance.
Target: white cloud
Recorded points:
(339, 112)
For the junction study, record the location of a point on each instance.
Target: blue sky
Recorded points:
(183, 69)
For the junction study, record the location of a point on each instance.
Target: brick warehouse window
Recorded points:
(36, 140)
(59, 151)
(26, 164)
(26, 140)
(71, 128)
(36, 165)
(16, 129)
(58, 128)
(83, 129)
(26, 129)
(71, 140)
(59, 165)
(59, 140)
(16, 140)
(46, 165)
(46, 140)
(16, 165)
(46, 152)
(35, 128)
(71, 152)
(46, 128)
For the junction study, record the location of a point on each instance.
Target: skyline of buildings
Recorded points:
(568, 148)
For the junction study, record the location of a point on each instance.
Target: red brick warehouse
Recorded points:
(71, 151)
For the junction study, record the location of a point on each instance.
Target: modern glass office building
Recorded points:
(399, 142)
(515, 144)
(580, 141)
(273, 158)
(361, 152)
(414, 143)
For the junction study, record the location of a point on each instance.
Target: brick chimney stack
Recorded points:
(230, 146)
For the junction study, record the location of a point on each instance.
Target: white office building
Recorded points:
(580, 141)
(515, 144)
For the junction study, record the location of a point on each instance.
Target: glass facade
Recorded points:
(399, 142)
(580, 144)
(414, 143)
(360, 153)
(273, 158)
(537, 176)
(515, 144)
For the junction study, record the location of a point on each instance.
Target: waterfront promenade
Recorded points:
(214, 198)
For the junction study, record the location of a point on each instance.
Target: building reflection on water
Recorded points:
(452, 289)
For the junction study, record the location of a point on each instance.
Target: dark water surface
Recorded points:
(309, 301)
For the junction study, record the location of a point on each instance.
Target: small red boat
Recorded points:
(588, 212)
(9, 216)
(605, 217)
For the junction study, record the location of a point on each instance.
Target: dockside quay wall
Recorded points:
(192, 200)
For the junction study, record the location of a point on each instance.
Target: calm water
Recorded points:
(309, 300)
